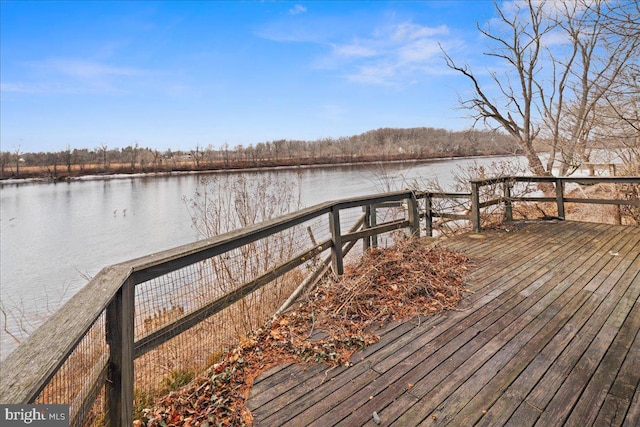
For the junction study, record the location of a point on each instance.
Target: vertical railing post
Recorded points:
(413, 215)
(475, 206)
(428, 215)
(374, 222)
(508, 208)
(336, 237)
(560, 197)
(120, 336)
(366, 241)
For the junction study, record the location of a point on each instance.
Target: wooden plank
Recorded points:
(378, 229)
(338, 377)
(413, 216)
(602, 201)
(465, 363)
(633, 414)
(627, 382)
(310, 406)
(273, 374)
(475, 208)
(600, 384)
(392, 342)
(578, 180)
(493, 276)
(576, 384)
(484, 383)
(287, 383)
(84, 400)
(160, 263)
(613, 411)
(336, 237)
(508, 252)
(522, 255)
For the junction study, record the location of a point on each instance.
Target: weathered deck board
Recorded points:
(549, 336)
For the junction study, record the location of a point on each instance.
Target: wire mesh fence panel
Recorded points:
(94, 415)
(165, 299)
(79, 380)
(177, 361)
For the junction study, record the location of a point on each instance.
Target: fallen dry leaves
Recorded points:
(328, 326)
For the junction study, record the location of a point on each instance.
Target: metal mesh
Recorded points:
(74, 382)
(96, 415)
(161, 301)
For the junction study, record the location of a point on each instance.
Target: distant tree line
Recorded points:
(383, 144)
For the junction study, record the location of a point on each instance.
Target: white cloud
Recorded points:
(392, 55)
(409, 31)
(380, 73)
(297, 9)
(87, 69)
(354, 51)
(388, 54)
(74, 76)
(422, 50)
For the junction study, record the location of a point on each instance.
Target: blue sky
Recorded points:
(180, 74)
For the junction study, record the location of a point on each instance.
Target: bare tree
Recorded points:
(17, 153)
(598, 55)
(518, 41)
(620, 109)
(618, 115)
(67, 159)
(105, 164)
(134, 156)
(197, 156)
(5, 158)
(563, 60)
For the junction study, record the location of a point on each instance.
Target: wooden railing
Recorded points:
(109, 301)
(505, 197)
(102, 315)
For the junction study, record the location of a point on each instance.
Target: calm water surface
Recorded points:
(53, 236)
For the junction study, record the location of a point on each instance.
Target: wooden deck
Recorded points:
(549, 336)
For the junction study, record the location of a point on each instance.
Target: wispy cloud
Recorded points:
(64, 75)
(297, 9)
(354, 50)
(391, 55)
(394, 53)
(86, 69)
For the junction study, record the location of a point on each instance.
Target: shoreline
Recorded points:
(133, 175)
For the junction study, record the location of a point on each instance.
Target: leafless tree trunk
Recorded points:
(105, 165)
(17, 153)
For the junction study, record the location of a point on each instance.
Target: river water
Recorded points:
(54, 236)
